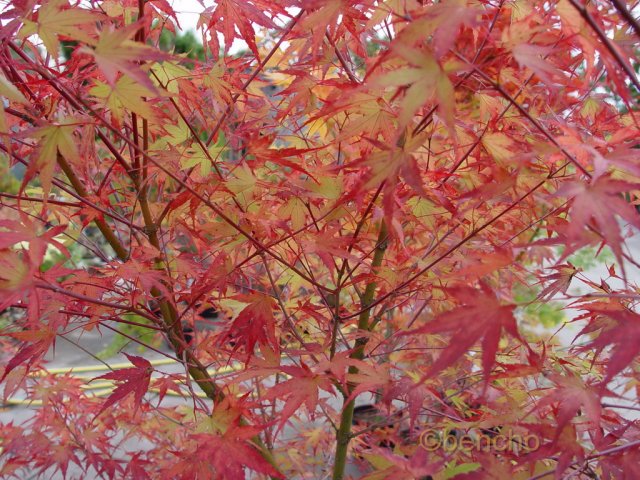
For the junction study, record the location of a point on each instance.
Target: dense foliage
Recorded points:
(380, 201)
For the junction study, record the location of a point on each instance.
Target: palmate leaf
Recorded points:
(598, 204)
(114, 52)
(131, 380)
(570, 395)
(57, 17)
(369, 112)
(255, 324)
(557, 282)
(238, 19)
(56, 138)
(425, 80)
(302, 387)
(480, 316)
(323, 17)
(616, 327)
(125, 95)
(20, 266)
(532, 56)
(221, 456)
(37, 343)
(10, 91)
(16, 275)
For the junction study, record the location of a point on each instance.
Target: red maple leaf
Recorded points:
(560, 280)
(570, 395)
(254, 324)
(29, 353)
(301, 388)
(620, 328)
(226, 446)
(165, 384)
(229, 454)
(228, 15)
(598, 204)
(134, 380)
(480, 316)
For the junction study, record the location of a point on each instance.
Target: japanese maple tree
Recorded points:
(377, 199)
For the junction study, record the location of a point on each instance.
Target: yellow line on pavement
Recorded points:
(105, 387)
(24, 402)
(101, 367)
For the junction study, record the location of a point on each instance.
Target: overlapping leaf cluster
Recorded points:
(361, 194)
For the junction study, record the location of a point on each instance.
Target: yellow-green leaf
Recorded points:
(54, 138)
(10, 92)
(125, 95)
(497, 144)
(296, 210)
(244, 182)
(57, 17)
(427, 81)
